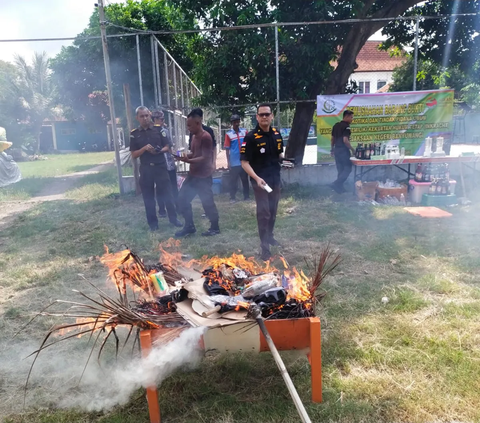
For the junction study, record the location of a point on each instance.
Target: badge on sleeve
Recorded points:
(262, 150)
(163, 132)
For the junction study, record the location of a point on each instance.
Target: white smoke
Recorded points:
(54, 381)
(104, 390)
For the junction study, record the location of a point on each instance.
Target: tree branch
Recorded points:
(355, 40)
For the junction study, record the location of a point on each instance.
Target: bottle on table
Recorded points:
(418, 173)
(433, 187)
(367, 152)
(445, 186)
(439, 186)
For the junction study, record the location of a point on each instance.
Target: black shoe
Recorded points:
(153, 228)
(162, 215)
(211, 232)
(274, 243)
(265, 254)
(187, 230)
(176, 223)
(336, 188)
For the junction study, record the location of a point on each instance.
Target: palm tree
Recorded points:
(33, 93)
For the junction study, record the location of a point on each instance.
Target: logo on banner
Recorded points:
(329, 106)
(431, 102)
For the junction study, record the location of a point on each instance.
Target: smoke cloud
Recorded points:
(55, 377)
(115, 387)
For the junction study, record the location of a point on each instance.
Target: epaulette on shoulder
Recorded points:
(133, 130)
(273, 129)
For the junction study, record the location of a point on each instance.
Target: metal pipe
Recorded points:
(175, 85)
(152, 48)
(415, 62)
(167, 84)
(281, 366)
(181, 89)
(139, 62)
(277, 76)
(108, 76)
(237, 28)
(157, 73)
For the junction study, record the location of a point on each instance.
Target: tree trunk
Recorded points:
(38, 141)
(302, 120)
(354, 41)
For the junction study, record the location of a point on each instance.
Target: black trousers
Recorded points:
(154, 182)
(235, 173)
(193, 186)
(344, 165)
(172, 174)
(267, 205)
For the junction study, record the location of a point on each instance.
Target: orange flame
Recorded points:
(124, 271)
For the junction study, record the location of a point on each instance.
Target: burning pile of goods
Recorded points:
(150, 296)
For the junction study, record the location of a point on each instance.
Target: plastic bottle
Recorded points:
(402, 199)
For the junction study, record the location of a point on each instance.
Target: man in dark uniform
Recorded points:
(199, 179)
(159, 122)
(149, 143)
(341, 149)
(260, 156)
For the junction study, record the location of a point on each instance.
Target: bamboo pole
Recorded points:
(281, 366)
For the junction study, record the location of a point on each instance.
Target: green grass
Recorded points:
(413, 359)
(37, 175)
(63, 164)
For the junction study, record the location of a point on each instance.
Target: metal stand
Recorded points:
(289, 334)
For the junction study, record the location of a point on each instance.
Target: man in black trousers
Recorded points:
(260, 155)
(199, 178)
(159, 122)
(148, 143)
(341, 149)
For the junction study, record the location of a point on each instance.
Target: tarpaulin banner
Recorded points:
(401, 118)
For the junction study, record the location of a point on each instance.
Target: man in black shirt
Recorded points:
(260, 156)
(149, 143)
(341, 149)
(159, 121)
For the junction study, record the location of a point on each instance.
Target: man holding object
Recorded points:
(199, 178)
(341, 149)
(150, 143)
(260, 156)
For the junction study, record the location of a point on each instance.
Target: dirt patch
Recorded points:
(53, 192)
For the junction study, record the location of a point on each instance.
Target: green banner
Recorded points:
(404, 119)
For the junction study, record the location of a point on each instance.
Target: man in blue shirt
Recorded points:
(233, 141)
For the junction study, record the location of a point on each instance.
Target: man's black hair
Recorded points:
(347, 113)
(265, 105)
(195, 113)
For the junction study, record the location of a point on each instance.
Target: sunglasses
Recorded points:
(264, 115)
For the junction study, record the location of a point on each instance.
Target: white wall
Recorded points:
(372, 77)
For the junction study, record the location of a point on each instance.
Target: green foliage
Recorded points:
(237, 67)
(79, 72)
(449, 42)
(27, 99)
(431, 75)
